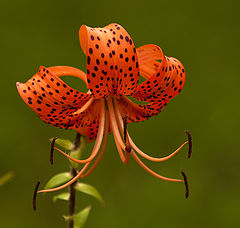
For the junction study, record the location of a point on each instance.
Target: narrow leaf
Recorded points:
(58, 180)
(61, 196)
(90, 190)
(6, 177)
(81, 217)
(65, 143)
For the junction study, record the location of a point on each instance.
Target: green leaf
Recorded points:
(6, 177)
(81, 217)
(65, 143)
(90, 190)
(61, 196)
(58, 180)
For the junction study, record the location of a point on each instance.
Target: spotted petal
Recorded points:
(55, 102)
(165, 79)
(112, 64)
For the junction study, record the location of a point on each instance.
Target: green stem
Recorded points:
(72, 198)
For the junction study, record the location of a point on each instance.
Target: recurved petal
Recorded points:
(68, 71)
(112, 64)
(55, 102)
(148, 53)
(165, 78)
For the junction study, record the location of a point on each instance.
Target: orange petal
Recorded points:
(148, 53)
(165, 79)
(136, 112)
(66, 70)
(112, 64)
(55, 102)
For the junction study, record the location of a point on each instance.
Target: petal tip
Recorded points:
(41, 68)
(18, 84)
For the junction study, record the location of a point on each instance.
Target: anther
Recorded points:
(35, 195)
(52, 149)
(189, 143)
(125, 128)
(186, 184)
(128, 149)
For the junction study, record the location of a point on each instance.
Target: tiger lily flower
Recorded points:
(113, 69)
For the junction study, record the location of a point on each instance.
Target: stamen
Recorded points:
(133, 145)
(186, 184)
(189, 143)
(52, 149)
(151, 171)
(103, 148)
(97, 142)
(85, 106)
(35, 196)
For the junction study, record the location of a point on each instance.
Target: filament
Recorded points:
(153, 158)
(119, 143)
(119, 116)
(114, 123)
(124, 159)
(85, 106)
(74, 179)
(151, 171)
(103, 147)
(97, 142)
(122, 123)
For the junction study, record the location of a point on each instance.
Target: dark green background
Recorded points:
(204, 35)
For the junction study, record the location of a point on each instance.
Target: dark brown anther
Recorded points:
(189, 143)
(125, 128)
(128, 149)
(35, 195)
(186, 184)
(52, 149)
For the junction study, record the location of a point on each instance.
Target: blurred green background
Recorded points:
(204, 35)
